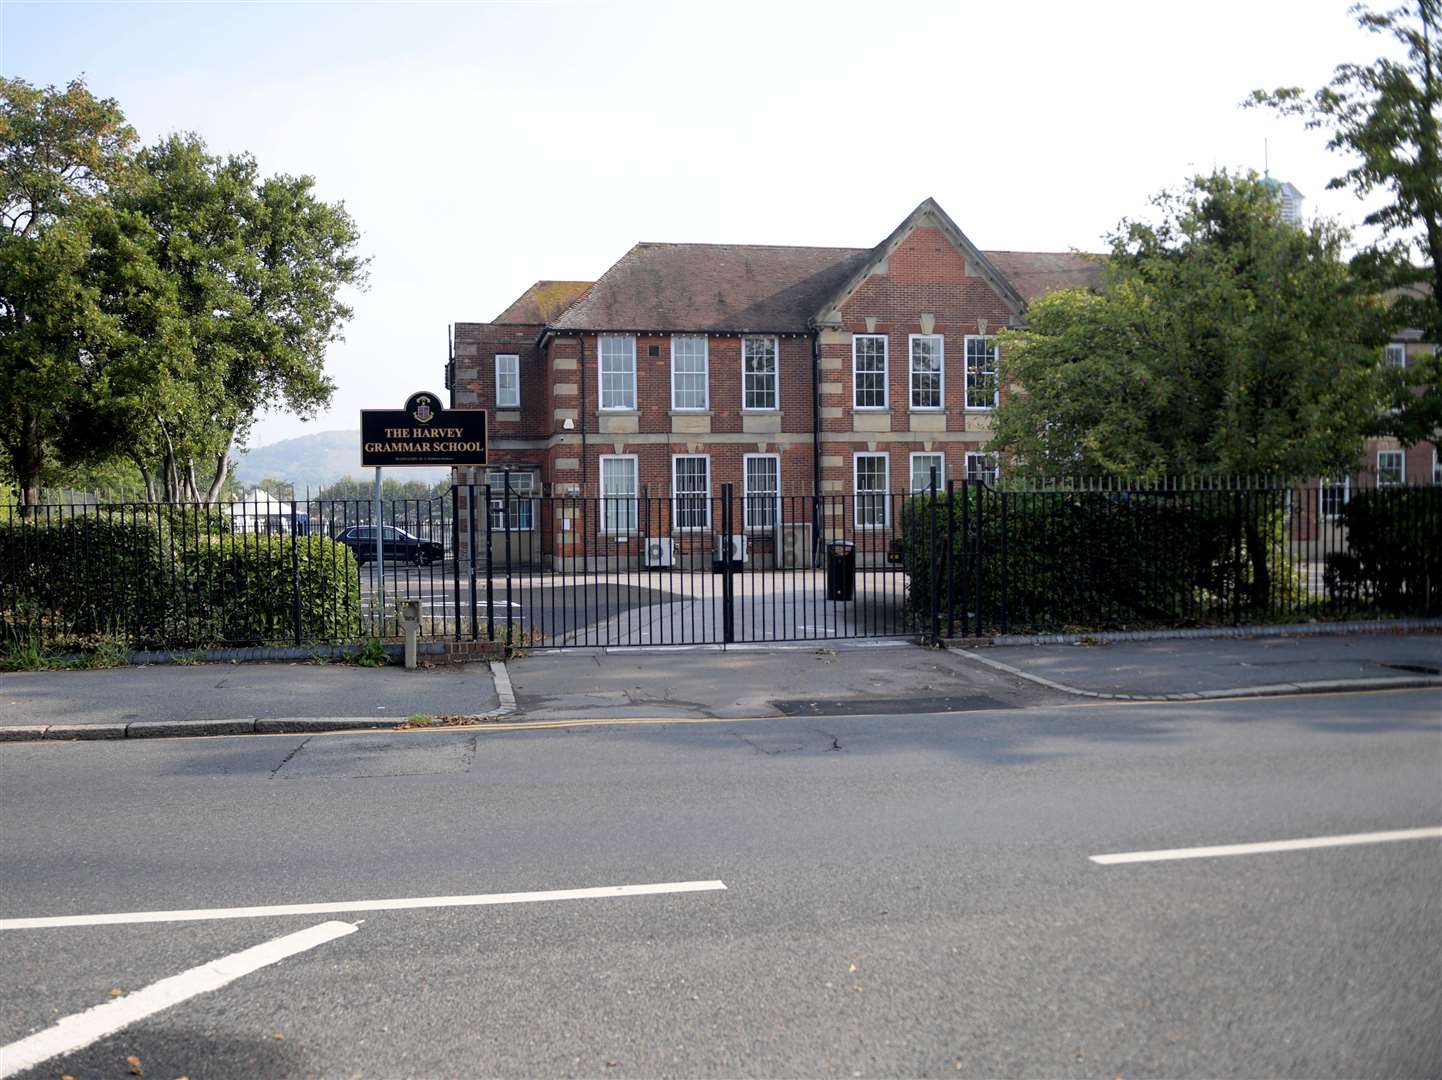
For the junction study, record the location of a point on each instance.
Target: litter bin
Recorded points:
(840, 570)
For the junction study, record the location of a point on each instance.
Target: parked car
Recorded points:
(399, 545)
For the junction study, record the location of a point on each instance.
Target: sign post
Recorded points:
(419, 434)
(380, 557)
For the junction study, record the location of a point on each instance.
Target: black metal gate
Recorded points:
(658, 570)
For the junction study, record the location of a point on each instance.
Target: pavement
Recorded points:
(166, 697)
(912, 894)
(593, 685)
(820, 679)
(1211, 666)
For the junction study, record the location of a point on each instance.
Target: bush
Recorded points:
(1394, 559)
(192, 523)
(242, 588)
(1071, 560)
(78, 578)
(170, 578)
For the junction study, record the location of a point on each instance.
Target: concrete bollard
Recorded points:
(410, 615)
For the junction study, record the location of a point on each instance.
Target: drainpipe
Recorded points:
(816, 447)
(581, 373)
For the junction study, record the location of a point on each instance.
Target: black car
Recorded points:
(400, 546)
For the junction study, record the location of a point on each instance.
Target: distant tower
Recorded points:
(1287, 196)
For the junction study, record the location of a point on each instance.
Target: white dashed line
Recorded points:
(337, 907)
(1268, 846)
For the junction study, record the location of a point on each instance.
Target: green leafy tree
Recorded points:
(353, 489)
(260, 266)
(84, 312)
(277, 489)
(1223, 341)
(1387, 116)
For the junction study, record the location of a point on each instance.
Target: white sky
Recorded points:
(481, 146)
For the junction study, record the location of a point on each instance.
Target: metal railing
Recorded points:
(559, 570)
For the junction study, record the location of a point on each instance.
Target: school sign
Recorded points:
(422, 433)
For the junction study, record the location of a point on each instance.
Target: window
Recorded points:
(508, 382)
(761, 488)
(981, 372)
(758, 366)
(927, 353)
(691, 490)
(618, 493)
(1396, 355)
(689, 372)
(921, 466)
(871, 488)
(982, 467)
(618, 371)
(868, 367)
(1335, 493)
(522, 516)
(1390, 468)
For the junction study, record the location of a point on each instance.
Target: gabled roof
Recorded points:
(725, 288)
(765, 288)
(543, 302)
(927, 212)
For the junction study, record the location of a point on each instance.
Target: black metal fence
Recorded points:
(252, 572)
(984, 559)
(964, 558)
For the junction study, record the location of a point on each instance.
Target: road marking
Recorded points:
(1269, 845)
(407, 903)
(83, 1028)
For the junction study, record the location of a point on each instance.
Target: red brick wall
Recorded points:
(925, 274)
(476, 347)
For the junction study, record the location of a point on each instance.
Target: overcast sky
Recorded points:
(481, 146)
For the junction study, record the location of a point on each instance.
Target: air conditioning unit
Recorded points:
(738, 550)
(660, 551)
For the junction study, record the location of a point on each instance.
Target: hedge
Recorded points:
(73, 580)
(175, 579)
(1393, 564)
(1071, 560)
(245, 586)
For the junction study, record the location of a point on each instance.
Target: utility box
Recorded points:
(841, 570)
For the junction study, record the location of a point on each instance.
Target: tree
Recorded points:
(260, 266)
(1223, 341)
(352, 489)
(1387, 114)
(84, 313)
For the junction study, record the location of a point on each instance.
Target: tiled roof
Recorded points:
(715, 287)
(755, 287)
(1036, 272)
(543, 301)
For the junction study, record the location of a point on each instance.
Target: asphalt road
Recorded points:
(905, 895)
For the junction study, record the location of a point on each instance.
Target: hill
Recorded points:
(316, 460)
